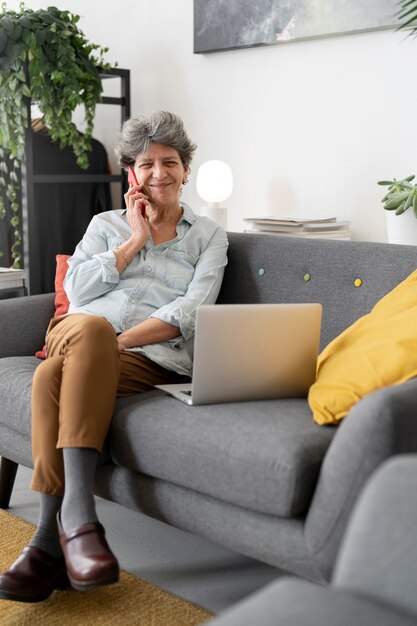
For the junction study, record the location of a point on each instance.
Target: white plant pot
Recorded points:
(402, 228)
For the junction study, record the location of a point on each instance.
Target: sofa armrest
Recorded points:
(378, 557)
(374, 580)
(23, 324)
(292, 602)
(381, 425)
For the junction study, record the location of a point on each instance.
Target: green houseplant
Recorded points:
(402, 194)
(44, 57)
(407, 14)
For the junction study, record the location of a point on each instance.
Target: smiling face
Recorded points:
(162, 173)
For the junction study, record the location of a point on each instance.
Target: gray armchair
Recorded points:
(375, 578)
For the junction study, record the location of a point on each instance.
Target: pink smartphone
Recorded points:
(131, 177)
(133, 182)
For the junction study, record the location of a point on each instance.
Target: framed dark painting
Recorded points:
(228, 24)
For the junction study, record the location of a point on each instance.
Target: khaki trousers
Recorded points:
(74, 392)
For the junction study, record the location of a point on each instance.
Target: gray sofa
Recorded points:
(258, 477)
(374, 581)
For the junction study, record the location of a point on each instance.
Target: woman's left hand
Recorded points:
(121, 345)
(151, 330)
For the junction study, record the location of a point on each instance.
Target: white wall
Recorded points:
(307, 127)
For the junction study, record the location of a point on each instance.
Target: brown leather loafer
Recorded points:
(89, 560)
(33, 576)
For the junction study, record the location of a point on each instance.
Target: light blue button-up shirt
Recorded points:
(167, 281)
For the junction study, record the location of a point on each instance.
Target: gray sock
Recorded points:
(78, 506)
(46, 536)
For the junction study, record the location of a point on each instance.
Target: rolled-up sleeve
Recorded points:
(203, 288)
(92, 268)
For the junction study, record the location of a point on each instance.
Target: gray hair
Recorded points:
(161, 127)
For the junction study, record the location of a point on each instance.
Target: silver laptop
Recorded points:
(252, 352)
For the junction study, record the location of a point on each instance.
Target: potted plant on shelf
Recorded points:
(44, 57)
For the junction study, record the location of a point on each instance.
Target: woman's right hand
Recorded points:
(136, 205)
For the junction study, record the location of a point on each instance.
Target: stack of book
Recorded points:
(321, 228)
(11, 278)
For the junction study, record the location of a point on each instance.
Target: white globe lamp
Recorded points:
(215, 185)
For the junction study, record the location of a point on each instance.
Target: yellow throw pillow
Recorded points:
(378, 350)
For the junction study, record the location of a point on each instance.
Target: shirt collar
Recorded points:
(188, 214)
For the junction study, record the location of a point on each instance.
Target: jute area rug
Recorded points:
(131, 601)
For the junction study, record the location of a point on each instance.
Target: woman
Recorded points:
(134, 284)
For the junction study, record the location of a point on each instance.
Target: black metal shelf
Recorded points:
(123, 102)
(28, 192)
(77, 178)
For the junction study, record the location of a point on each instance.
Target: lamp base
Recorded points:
(216, 213)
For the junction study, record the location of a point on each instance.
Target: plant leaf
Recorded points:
(62, 72)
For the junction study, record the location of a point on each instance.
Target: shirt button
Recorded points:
(358, 282)
(261, 271)
(307, 277)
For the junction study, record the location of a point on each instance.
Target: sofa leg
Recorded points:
(8, 470)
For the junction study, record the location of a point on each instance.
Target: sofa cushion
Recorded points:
(16, 375)
(264, 456)
(377, 351)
